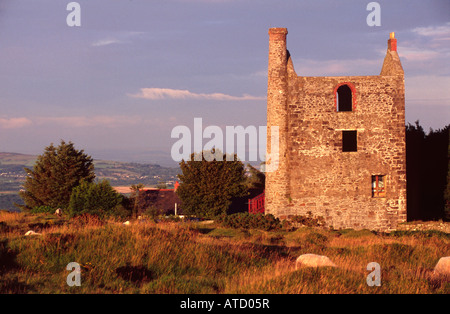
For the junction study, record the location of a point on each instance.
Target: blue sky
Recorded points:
(117, 85)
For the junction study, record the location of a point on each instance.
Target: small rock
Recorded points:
(442, 267)
(126, 223)
(58, 212)
(313, 260)
(31, 232)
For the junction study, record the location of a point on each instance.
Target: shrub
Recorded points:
(309, 220)
(152, 212)
(42, 209)
(121, 211)
(251, 221)
(421, 233)
(94, 198)
(318, 239)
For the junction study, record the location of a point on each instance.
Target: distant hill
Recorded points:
(17, 159)
(12, 175)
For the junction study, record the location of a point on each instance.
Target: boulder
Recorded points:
(442, 267)
(58, 212)
(126, 223)
(313, 260)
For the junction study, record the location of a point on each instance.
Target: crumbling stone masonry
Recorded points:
(341, 143)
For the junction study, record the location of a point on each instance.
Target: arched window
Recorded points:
(344, 101)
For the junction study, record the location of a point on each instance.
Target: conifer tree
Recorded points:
(54, 175)
(207, 187)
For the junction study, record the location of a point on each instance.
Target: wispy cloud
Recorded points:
(70, 121)
(431, 41)
(88, 121)
(106, 42)
(418, 54)
(431, 50)
(14, 123)
(168, 93)
(436, 38)
(440, 31)
(124, 37)
(426, 51)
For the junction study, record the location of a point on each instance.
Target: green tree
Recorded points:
(256, 179)
(427, 163)
(94, 198)
(54, 175)
(136, 199)
(207, 187)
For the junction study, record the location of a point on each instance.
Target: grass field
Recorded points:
(148, 257)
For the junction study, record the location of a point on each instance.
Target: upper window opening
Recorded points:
(344, 100)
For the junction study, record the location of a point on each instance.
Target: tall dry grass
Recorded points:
(146, 257)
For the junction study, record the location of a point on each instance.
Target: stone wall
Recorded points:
(315, 175)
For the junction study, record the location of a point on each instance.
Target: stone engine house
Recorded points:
(341, 143)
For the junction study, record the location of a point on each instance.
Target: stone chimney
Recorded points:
(277, 183)
(392, 64)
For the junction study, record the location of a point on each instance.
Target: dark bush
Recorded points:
(42, 209)
(250, 221)
(421, 233)
(95, 198)
(309, 220)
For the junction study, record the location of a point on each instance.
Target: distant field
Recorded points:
(127, 190)
(122, 189)
(120, 174)
(17, 159)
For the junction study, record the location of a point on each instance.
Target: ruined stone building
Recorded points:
(341, 142)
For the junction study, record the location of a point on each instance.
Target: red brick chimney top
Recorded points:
(392, 42)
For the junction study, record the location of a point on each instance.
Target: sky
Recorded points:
(118, 84)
